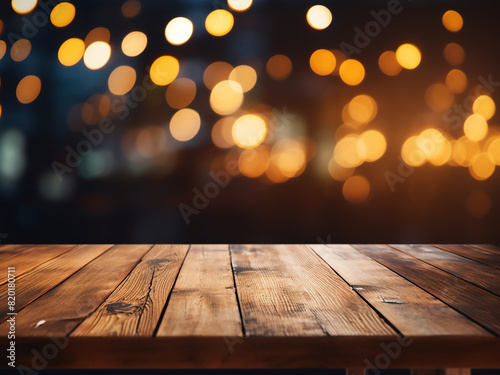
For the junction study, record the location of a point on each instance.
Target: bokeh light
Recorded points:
(23, 6)
(352, 72)
(222, 132)
(239, 5)
(245, 75)
(99, 34)
(452, 21)
(219, 22)
(411, 152)
(216, 72)
(454, 54)
(178, 31)
(319, 17)
(289, 155)
(388, 63)
(97, 55)
(28, 89)
(249, 131)
(226, 97)
(62, 14)
(254, 162)
(362, 109)
(322, 62)
(484, 106)
(180, 93)
(134, 43)
(122, 80)
(164, 70)
(71, 51)
(375, 144)
(131, 8)
(408, 56)
(438, 97)
(482, 166)
(356, 189)
(337, 172)
(3, 48)
(464, 150)
(350, 151)
(475, 127)
(456, 81)
(279, 67)
(20, 50)
(185, 124)
(494, 150)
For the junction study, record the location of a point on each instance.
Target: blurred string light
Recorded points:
(134, 43)
(352, 72)
(239, 5)
(97, 55)
(245, 75)
(356, 189)
(484, 106)
(62, 14)
(28, 89)
(99, 34)
(388, 63)
(185, 124)
(164, 70)
(216, 72)
(319, 17)
(362, 109)
(249, 131)
(222, 132)
(180, 93)
(254, 162)
(456, 81)
(178, 31)
(71, 51)
(408, 56)
(279, 67)
(20, 50)
(454, 54)
(475, 127)
(219, 22)
(452, 21)
(131, 8)
(226, 97)
(322, 62)
(23, 6)
(122, 80)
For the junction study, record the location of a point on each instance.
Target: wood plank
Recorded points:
(61, 309)
(287, 290)
(474, 302)
(135, 306)
(477, 273)
(490, 248)
(32, 256)
(41, 279)
(474, 253)
(203, 302)
(410, 309)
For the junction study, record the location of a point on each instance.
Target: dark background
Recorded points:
(142, 207)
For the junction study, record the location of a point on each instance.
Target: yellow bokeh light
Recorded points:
(289, 155)
(434, 146)
(350, 151)
(23, 6)
(97, 55)
(239, 5)
(408, 56)
(164, 70)
(388, 63)
(71, 51)
(339, 173)
(356, 189)
(254, 162)
(438, 97)
(322, 62)
(222, 132)
(411, 152)
(245, 75)
(456, 81)
(180, 93)
(482, 166)
(494, 150)
(20, 50)
(178, 31)
(226, 97)
(475, 127)
(454, 54)
(319, 17)
(62, 14)
(219, 22)
(464, 150)
(249, 131)
(279, 67)
(28, 89)
(3, 48)
(134, 43)
(99, 34)
(185, 124)
(150, 141)
(216, 72)
(375, 144)
(452, 21)
(362, 109)
(352, 72)
(484, 106)
(122, 80)
(131, 8)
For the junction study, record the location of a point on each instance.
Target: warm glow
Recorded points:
(28, 89)
(216, 72)
(3, 48)
(352, 72)
(239, 5)
(222, 132)
(23, 6)
(388, 63)
(456, 81)
(484, 106)
(97, 55)
(375, 144)
(322, 62)
(319, 17)
(131, 8)
(164, 70)
(438, 97)
(464, 150)
(180, 93)
(452, 21)
(494, 150)
(482, 166)
(362, 109)
(99, 34)
(226, 97)
(185, 124)
(454, 54)
(254, 162)
(71, 51)
(411, 152)
(62, 14)
(350, 151)
(478, 204)
(20, 50)
(434, 146)
(356, 189)
(134, 43)
(290, 157)
(279, 67)
(339, 173)
(178, 31)
(475, 127)
(249, 131)
(245, 75)
(219, 22)
(408, 56)
(122, 80)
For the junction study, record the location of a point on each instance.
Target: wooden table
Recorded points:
(253, 306)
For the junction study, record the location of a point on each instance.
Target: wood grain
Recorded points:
(490, 248)
(203, 302)
(478, 304)
(287, 290)
(410, 309)
(60, 310)
(135, 306)
(477, 273)
(474, 253)
(41, 279)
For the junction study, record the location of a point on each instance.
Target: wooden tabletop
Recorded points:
(253, 306)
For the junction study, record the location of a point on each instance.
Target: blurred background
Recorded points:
(284, 121)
